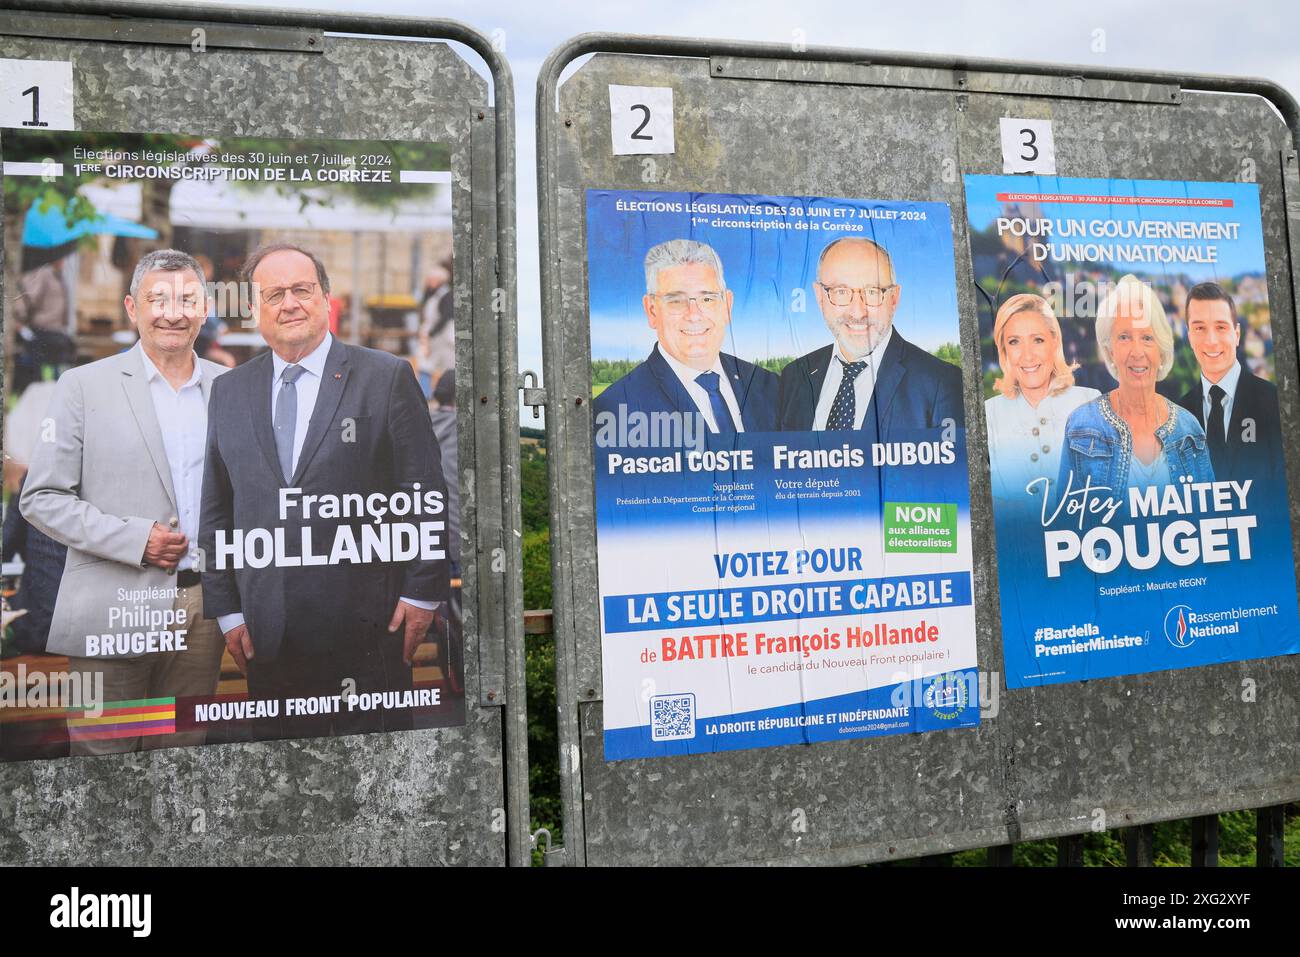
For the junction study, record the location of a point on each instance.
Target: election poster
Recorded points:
(230, 473)
(1135, 448)
(782, 500)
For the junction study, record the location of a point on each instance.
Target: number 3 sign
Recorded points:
(1027, 146)
(36, 94)
(641, 119)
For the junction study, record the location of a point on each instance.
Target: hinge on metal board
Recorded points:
(534, 394)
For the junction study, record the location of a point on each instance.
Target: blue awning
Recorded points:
(44, 230)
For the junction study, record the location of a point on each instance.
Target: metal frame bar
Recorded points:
(515, 745)
(553, 341)
(161, 32)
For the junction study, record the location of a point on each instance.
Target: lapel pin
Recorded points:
(338, 375)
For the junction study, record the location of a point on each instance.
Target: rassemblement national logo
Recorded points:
(1177, 629)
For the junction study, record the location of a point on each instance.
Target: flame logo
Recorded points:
(1178, 629)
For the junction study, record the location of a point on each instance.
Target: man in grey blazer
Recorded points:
(316, 418)
(117, 477)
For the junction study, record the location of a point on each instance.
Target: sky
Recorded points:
(1194, 36)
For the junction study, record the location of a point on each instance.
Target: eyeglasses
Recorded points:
(185, 304)
(843, 295)
(679, 304)
(302, 291)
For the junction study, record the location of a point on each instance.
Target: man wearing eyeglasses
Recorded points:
(117, 477)
(688, 306)
(870, 378)
(329, 420)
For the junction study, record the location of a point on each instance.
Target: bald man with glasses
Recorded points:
(870, 379)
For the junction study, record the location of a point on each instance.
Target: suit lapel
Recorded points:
(1194, 402)
(818, 363)
(333, 382)
(259, 411)
(888, 375)
(205, 381)
(673, 390)
(138, 398)
(1242, 403)
(739, 384)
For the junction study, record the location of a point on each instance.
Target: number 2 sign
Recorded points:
(1027, 146)
(641, 119)
(36, 94)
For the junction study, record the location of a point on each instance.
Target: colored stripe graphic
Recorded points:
(120, 719)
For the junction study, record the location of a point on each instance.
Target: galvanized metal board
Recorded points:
(428, 797)
(1046, 761)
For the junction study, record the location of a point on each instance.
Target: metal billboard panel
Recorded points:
(1046, 761)
(430, 797)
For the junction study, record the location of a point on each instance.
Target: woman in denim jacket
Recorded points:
(1132, 437)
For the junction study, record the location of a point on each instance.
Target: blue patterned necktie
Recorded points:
(708, 381)
(845, 407)
(286, 418)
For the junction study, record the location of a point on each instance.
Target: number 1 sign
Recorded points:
(36, 94)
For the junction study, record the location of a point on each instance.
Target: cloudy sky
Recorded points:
(1254, 38)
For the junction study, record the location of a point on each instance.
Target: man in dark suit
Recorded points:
(870, 378)
(1237, 410)
(324, 418)
(688, 306)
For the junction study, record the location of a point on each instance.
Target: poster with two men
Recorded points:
(230, 442)
(782, 501)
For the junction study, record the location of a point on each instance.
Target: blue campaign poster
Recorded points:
(782, 504)
(1139, 488)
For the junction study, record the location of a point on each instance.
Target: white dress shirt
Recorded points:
(183, 420)
(308, 388)
(700, 396)
(863, 385)
(1229, 386)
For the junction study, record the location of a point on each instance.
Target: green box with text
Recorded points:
(920, 527)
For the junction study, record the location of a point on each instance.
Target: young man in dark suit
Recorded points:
(1238, 410)
(870, 378)
(688, 306)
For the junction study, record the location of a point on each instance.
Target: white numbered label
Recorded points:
(641, 119)
(1027, 146)
(36, 94)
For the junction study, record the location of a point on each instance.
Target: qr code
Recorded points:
(672, 717)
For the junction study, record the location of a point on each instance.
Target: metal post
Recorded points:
(1205, 841)
(1069, 851)
(1269, 825)
(123, 11)
(1002, 855)
(1139, 845)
